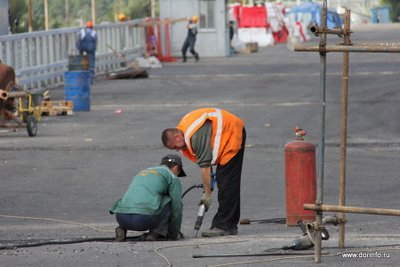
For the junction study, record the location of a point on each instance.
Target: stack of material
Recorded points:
(128, 73)
(251, 47)
(132, 71)
(54, 108)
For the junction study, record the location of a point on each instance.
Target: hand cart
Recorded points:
(20, 109)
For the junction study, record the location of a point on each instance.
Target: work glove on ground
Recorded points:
(206, 200)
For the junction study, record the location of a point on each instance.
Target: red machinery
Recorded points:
(300, 172)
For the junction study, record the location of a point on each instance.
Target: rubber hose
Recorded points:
(56, 242)
(80, 240)
(190, 188)
(66, 242)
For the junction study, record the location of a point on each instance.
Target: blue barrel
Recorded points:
(77, 89)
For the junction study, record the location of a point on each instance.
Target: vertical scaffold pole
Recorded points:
(343, 131)
(321, 147)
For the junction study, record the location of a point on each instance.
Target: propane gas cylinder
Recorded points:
(300, 172)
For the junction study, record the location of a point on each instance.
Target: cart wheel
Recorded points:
(31, 125)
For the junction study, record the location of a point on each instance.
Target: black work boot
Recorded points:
(184, 59)
(120, 234)
(152, 236)
(197, 57)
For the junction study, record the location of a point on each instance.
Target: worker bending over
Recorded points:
(211, 136)
(152, 202)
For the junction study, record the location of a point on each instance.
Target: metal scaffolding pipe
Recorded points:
(321, 147)
(352, 209)
(318, 30)
(346, 47)
(16, 94)
(389, 48)
(343, 129)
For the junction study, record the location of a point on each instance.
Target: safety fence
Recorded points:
(158, 38)
(41, 58)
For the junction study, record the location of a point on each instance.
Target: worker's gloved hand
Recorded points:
(206, 200)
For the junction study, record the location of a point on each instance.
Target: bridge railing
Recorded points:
(41, 58)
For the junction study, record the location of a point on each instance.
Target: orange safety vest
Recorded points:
(226, 139)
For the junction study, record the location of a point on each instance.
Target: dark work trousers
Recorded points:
(189, 43)
(92, 62)
(138, 222)
(228, 182)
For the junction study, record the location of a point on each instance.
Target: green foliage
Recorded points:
(78, 13)
(395, 8)
(18, 10)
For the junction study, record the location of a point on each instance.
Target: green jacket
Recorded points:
(149, 192)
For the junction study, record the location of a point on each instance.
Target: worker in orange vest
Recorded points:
(211, 136)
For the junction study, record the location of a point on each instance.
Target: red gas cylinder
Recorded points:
(300, 172)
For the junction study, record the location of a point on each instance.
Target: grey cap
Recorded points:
(175, 159)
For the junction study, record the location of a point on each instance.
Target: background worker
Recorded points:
(211, 136)
(152, 202)
(190, 40)
(87, 42)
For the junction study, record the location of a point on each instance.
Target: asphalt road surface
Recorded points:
(60, 184)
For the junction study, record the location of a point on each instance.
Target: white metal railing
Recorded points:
(41, 58)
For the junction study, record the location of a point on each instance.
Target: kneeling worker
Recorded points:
(152, 202)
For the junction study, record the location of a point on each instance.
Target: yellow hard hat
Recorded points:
(121, 17)
(195, 18)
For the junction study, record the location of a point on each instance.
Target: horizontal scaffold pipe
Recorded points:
(385, 48)
(350, 209)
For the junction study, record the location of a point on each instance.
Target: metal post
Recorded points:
(94, 12)
(30, 27)
(155, 26)
(321, 147)
(343, 130)
(67, 10)
(46, 15)
(153, 8)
